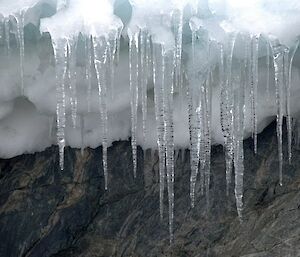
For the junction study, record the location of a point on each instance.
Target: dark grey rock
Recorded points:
(45, 212)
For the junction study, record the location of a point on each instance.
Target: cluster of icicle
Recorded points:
(102, 54)
(150, 62)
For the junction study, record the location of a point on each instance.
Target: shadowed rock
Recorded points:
(45, 212)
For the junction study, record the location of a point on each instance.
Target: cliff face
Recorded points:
(45, 212)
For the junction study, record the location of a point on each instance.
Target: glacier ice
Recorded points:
(175, 75)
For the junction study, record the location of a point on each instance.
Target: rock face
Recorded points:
(45, 212)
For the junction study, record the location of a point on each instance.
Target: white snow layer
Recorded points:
(28, 119)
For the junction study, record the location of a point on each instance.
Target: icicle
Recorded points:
(193, 111)
(288, 103)
(169, 136)
(104, 115)
(207, 134)
(240, 80)
(101, 63)
(227, 107)
(117, 49)
(159, 72)
(254, 84)
(20, 38)
(204, 135)
(178, 29)
(149, 59)
(133, 77)
(194, 151)
(113, 54)
(278, 56)
(72, 77)
(143, 77)
(110, 57)
(60, 53)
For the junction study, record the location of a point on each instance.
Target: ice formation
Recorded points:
(168, 74)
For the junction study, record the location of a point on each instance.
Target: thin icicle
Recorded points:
(240, 84)
(288, 103)
(60, 54)
(101, 60)
(254, 84)
(169, 136)
(104, 116)
(227, 107)
(278, 56)
(118, 43)
(133, 77)
(159, 72)
(72, 85)
(20, 37)
(178, 29)
(143, 77)
(207, 114)
(110, 59)
(193, 111)
(205, 133)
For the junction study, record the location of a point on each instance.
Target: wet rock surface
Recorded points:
(47, 212)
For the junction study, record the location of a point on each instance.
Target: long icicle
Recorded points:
(288, 103)
(240, 85)
(100, 55)
(104, 113)
(208, 104)
(169, 136)
(254, 84)
(143, 77)
(159, 71)
(178, 30)
(226, 108)
(133, 77)
(60, 53)
(278, 53)
(194, 128)
(72, 85)
(111, 60)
